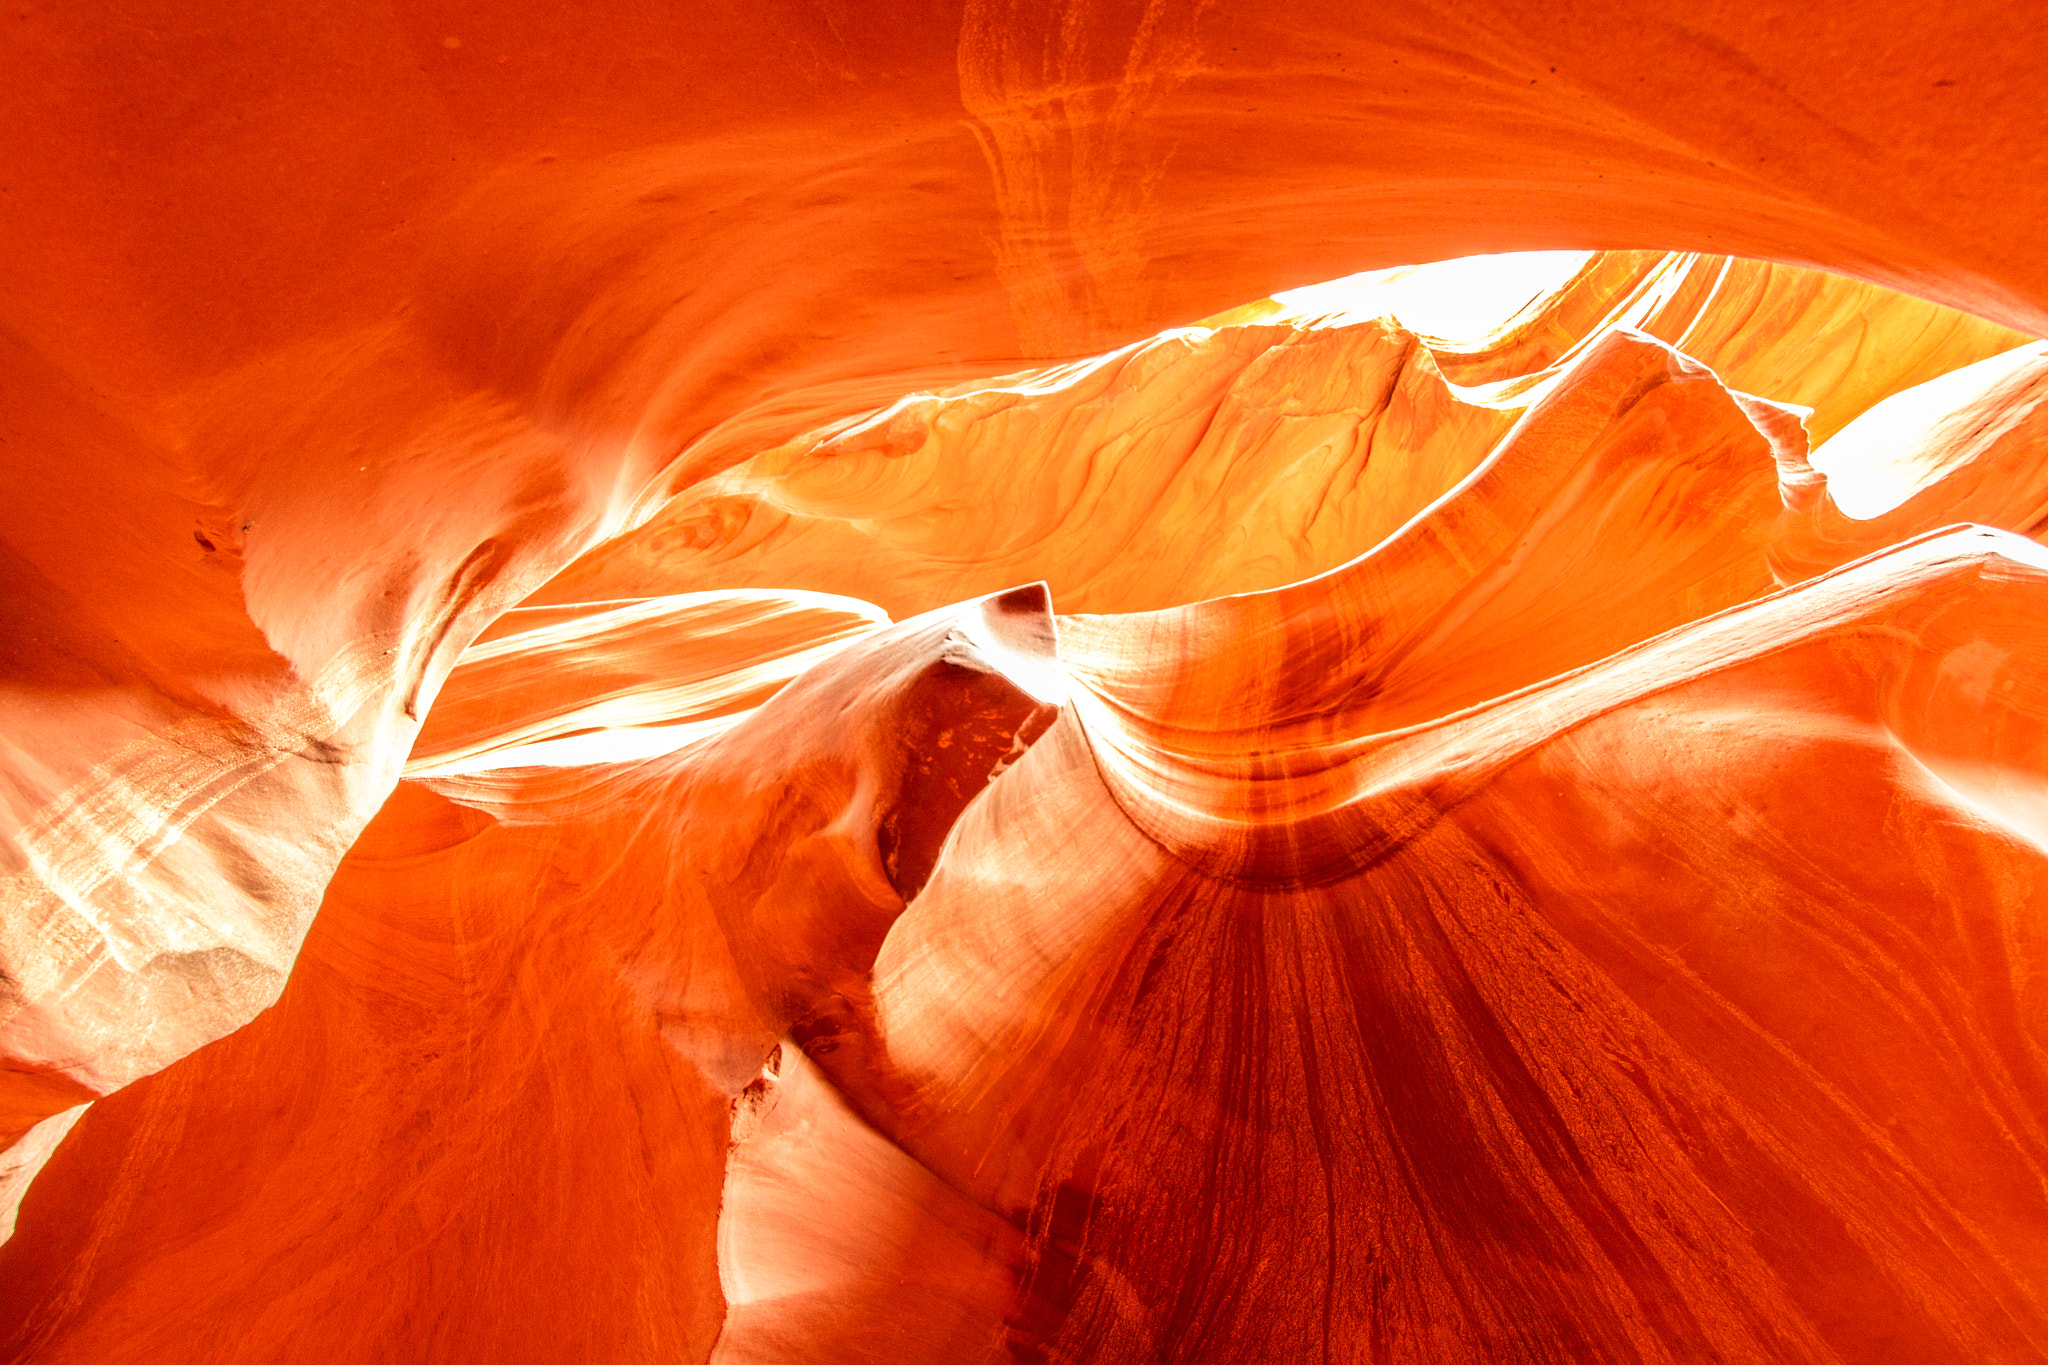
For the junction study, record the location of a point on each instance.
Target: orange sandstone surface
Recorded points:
(693, 685)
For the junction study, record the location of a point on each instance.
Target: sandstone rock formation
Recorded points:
(1518, 846)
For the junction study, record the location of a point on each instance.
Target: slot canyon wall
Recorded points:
(756, 683)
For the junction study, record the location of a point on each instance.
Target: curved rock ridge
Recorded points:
(1271, 444)
(1467, 670)
(1822, 341)
(467, 976)
(563, 687)
(1607, 1052)
(194, 750)
(1591, 921)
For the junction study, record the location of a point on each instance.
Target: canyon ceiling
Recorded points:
(757, 682)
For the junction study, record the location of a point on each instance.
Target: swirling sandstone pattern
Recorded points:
(1445, 956)
(1524, 846)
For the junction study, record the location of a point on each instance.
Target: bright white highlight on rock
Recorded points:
(1461, 300)
(1911, 439)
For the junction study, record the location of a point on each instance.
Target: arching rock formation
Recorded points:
(1524, 847)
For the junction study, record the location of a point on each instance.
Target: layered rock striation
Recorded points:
(695, 687)
(1502, 866)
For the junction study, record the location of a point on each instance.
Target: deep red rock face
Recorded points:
(539, 822)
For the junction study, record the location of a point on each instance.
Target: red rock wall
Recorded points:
(1572, 903)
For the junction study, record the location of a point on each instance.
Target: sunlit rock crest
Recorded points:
(1523, 846)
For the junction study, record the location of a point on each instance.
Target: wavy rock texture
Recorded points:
(1523, 846)
(329, 338)
(1268, 449)
(1537, 881)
